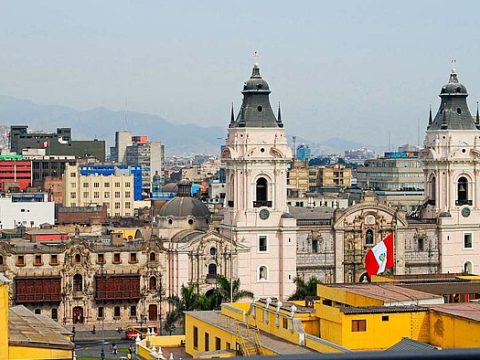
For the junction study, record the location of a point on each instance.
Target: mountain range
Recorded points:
(101, 123)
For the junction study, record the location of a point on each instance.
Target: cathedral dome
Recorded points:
(182, 207)
(256, 83)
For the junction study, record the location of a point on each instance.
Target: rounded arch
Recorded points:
(77, 282)
(262, 273)
(468, 267)
(261, 189)
(77, 259)
(369, 237)
(152, 283)
(462, 190)
(364, 278)
(152, 256)
(210, 293)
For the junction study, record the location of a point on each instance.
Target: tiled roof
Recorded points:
(407, 344)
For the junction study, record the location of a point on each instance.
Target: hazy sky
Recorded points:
(352, 69)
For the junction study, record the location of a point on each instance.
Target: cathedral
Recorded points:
(260, 240)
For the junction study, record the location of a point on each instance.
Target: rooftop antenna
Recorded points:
(294, 148)
(125, 120)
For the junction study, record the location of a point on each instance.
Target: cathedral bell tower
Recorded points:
(256, 157)
(451, 159)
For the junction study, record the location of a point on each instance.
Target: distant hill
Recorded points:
(101, 123)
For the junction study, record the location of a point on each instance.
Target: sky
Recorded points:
(357, 70)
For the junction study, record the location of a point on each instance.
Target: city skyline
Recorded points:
(184, 61)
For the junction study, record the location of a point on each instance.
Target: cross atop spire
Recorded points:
(477, 119)
(430, 120)
(454, 66)
(255, 58)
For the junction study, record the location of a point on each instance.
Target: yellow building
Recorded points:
(27, 336)
(116, 192)
(346, 317)
(334, 176)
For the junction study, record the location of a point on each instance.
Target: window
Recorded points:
(462, 191)
(73, 195)
(133, 311)
(468, 267)
(433, 188)
(96, 195)
(195, 337)
(152, 283)
(117, 194)
(314, 246)
(73, 174)
(100, 312)
(107, 184)
(285, 323)
(20, 260)
(467, 241)
(54, 313)
(133, 257)
(53, 260)
(116, 311)
(153, 257)
(38, 260)
(38, 311)
(213, 251)
(127, 205)
(78, 259)
(73, 185)
(218, 343)
(127, 194)
(227, 345)
(77, 282)
(385, 318)
(262, 273)
(100, 259)
(421, 244)
(106, 195)
(117, 184)
(359, 325)
(116, 258)
(262, 243)
(85, 195)
(369, 237)
(127, 184)
(117, 205)
(85, 185)
(261, 189)
(96, 185)
(212, 271)
(207, 341)
(1, 260)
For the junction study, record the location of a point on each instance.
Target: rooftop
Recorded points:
(30, 330)
(470, 311)
(350, 310)
(388, 293)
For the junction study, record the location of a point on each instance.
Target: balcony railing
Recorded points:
(262, 203)
(463, 202)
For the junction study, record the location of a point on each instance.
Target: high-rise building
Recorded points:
(118, 153)
(303, 153)
(256, 159)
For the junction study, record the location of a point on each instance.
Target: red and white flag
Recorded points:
(380, 257)
(46, 143)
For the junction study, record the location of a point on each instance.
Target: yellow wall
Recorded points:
(31, 353)
(343, 296)
(451, 332)
(4, 320)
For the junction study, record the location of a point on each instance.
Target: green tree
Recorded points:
(304, 288)
(226, 288)
(187, 301)
(211, 302)
(170, 320)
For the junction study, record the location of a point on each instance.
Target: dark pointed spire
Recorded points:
(232, 117)
(477, 119)
(430, 116)
(279, 116)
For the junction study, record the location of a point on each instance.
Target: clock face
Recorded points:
(264, 214)
(466, 212)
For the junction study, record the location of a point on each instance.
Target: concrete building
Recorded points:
(149, 155)
(15, 174)
(59, 143)
(303, 153)
(118, 153)
(334, 176)
(395, 171)
(116, 192)
(26, 209)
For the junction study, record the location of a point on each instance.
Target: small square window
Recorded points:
(467, 241)
(100, 312)
(116, 258)
(116, 311)
(262, 243)
(359, 325)
(385, 318)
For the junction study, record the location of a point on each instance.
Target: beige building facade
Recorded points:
(115, 192)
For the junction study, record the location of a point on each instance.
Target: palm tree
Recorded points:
(170, 320)
(205, 302)
(187, 301)
(227, 288)
(304, 288)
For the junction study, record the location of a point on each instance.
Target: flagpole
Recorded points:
(395, 227)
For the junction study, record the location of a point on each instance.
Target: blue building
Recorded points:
(303, 153)
(118, 170)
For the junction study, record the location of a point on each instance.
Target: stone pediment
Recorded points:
(370, 214)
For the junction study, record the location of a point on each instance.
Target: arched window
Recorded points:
(1, 260)
(152, 256)
(213, 251)
(433, 187)
(77, 282)
(468, 267)
(152, 283)
(262, 273)
(369, 237)
(462, 191)
(261, 190)
(212, 271)
(77, 259)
